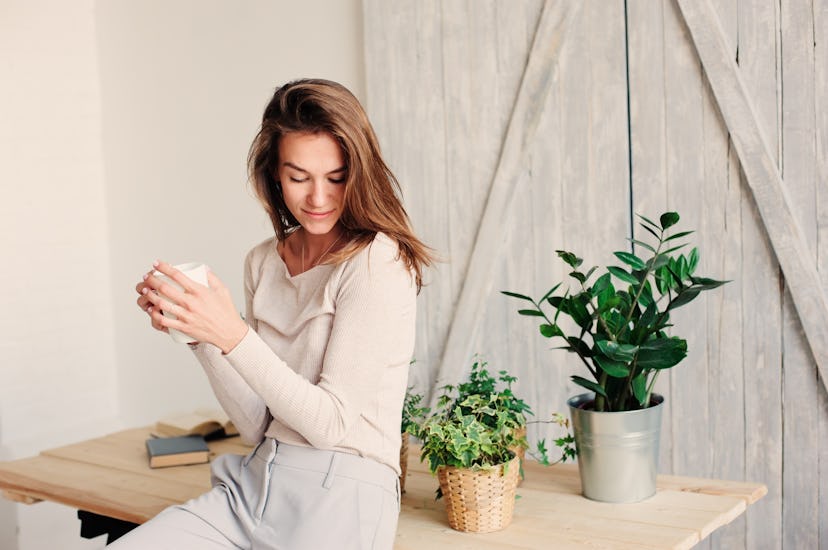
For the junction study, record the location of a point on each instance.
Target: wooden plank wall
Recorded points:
(747, 403)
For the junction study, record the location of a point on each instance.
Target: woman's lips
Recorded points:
(318, 215)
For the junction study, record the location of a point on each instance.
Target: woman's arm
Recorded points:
(243, 405)
(373, 327)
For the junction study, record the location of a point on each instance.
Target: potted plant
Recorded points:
(481, 382)
(412, 415)
(620, 334)
(468, 443)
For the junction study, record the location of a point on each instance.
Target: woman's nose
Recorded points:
(316, 197)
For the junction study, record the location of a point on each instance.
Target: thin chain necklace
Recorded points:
(319, 259)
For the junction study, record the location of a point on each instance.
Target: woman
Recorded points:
(317, 379)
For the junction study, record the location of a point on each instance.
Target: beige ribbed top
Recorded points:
(326, 362)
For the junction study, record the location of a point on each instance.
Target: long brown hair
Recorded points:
(372, 194)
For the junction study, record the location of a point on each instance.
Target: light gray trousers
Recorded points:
(282, 497)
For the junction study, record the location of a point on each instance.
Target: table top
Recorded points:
(110, 476)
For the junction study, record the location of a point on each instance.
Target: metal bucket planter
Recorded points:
(617, 451)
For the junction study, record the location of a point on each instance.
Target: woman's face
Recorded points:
(312, 172)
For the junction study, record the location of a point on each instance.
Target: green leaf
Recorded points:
(683, 268)
(659, 261)
(616, 369)
(678, 235)
(664, 279)
(668, 219)
(578, 346)
(530, 312)
(683, 297)
(551, 330)
(601, 283)
(622, 274)
(549, 293)
(673, 268)
(570, 258)
(578, 311)
(639, 387)
(589, 384)
(642, 244)
(631, 260)
(590, 272)
(653, 233)
(654, 224)
(703, 283)
(579, 276)
(615, 321)
(516, 295)
(671, 250)
(649, 315)
(616, 351)
(646, 297)
(661, 353)
(693, 260)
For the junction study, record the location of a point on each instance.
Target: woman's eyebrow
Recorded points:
(300, 169)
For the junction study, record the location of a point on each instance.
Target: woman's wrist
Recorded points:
(234, 337)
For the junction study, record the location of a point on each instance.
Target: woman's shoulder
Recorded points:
(381, 248)
(257, 255)
(378, 258)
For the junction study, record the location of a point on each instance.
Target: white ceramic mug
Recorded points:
(198, 273)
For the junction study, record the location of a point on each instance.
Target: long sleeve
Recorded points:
(365, 354)
(325, 362)
(242, 404)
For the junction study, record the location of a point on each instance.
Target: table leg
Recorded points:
(94, 525)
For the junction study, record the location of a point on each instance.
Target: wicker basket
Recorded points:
(403, 460)
(479, 501)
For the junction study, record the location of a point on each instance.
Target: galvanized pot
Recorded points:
(617, 451)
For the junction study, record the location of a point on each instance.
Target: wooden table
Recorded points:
(110, 477)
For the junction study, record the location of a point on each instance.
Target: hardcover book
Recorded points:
(210, 423)
(177, 451)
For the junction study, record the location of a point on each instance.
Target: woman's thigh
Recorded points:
(177, 528)
(349, 514)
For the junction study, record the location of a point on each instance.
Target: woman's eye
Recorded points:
(338, 180)
(298, 180)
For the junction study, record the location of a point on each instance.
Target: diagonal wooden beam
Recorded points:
(526, 114)
(762, 175)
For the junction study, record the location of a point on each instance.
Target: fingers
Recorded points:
(158, 319)
(213, 281)
(186, 283)
(155, 285)
(159, 302)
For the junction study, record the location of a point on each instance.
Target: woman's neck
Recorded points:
(312, 249)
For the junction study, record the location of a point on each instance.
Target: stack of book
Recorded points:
(182, 439)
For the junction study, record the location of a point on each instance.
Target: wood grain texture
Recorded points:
(109, 476)
(684, 157)
(403, 51)
(820, 26)
(720, 225)
(648, 147)
(763, 177)
(526, 114)
(683, 132)
(800, 512)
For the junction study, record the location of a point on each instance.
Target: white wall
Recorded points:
(184, 84)
(124, 128)
(57, 350)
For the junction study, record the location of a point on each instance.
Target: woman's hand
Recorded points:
(205, 313)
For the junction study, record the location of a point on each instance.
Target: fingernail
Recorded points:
(146, 276)
(155, 263)
(149, 309)
(144, 290)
